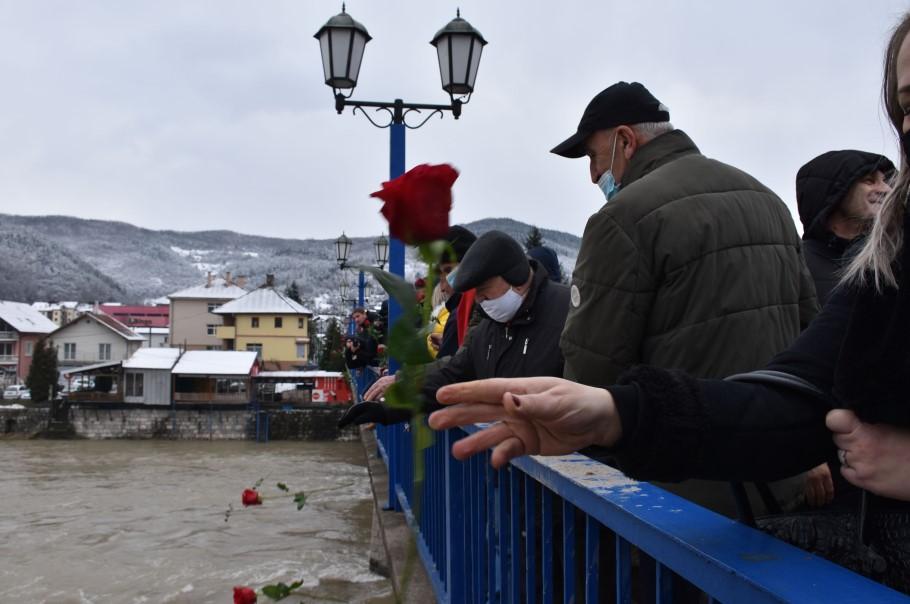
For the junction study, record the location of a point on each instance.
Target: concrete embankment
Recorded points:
(201, 423)
(393, 552)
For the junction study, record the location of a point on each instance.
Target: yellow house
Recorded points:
(270, 323)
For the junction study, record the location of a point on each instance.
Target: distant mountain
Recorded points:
(66, 258)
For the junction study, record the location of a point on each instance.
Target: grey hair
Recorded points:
(648, 131)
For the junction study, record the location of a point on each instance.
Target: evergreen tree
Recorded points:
(332, 354)
(534, 238)
(42, 375)
(293, 292)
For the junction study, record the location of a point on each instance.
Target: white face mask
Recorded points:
(607, 182)
(503, 308)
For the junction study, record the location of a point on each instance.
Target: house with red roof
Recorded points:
(21, 326)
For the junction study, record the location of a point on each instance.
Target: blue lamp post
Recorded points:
(342, 41)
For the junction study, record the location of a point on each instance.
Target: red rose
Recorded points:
(251, 497)
(244, 595)
(417, 203)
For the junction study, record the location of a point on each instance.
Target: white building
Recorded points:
(94, 338)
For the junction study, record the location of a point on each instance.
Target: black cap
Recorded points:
(461, 240)
(494, 254)
(620, 104)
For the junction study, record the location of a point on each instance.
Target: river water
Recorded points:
(144, 521)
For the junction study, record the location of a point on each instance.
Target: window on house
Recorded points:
(104, 352)
(300, 323)
(134, 384)
(301, 351)
(254, 322)
(278, 322)
(29, 348)
(210, 329)
(255, 347)
(69, 351)
(6, 349)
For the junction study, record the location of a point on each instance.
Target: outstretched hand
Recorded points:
(539, 415)
(373, 412)
(877, 456)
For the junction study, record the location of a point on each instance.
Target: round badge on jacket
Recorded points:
(575, 296)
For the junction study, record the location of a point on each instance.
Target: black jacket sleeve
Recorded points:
(451, 370)
(676, 427)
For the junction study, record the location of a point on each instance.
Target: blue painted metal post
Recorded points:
(396, 267)
(361, 284)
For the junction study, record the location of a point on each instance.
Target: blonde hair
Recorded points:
(874, 261)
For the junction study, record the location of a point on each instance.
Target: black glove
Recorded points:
(373, 412)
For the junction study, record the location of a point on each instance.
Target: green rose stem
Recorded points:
(407, 343)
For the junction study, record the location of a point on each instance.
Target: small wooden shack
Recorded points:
(147, 376)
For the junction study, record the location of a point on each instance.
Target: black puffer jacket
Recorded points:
(821, 185)
(526, 346)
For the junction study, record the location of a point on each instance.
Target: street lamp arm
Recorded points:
(397, 109)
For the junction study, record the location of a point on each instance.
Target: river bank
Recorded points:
(138, 422)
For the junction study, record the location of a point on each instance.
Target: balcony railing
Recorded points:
(91, 396)
(9, 336)
(521, 533)
(202, 397)
(226, 332)
(6, 359)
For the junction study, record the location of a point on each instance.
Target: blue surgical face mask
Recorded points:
(607, 182)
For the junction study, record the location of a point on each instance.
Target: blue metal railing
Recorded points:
(569, 529)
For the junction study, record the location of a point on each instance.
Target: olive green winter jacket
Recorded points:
(693, 265)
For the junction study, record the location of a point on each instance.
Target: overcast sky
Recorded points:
(209, 115)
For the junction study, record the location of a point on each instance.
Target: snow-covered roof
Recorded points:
(71, 370)
(106, 321)
(25, 319)
(215, 362)
(218, 290)
(152, 358)
(299, 374)
(265, 300)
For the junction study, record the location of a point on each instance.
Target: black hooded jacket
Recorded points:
(821, 185)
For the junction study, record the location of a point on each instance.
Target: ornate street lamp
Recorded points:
(382, 251)
(458, 46)
(342, 41)
(342, 249)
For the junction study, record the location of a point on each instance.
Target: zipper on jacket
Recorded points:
(525, 349)
(489, 348)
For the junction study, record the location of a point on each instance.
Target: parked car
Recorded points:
(16, 391)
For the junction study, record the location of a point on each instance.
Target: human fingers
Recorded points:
(842, 421)
(481, 441)
(508, 449)
(490, 391)
(464, 414)
(379, 387)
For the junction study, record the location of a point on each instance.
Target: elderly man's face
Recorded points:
(492, 288)
(600, 151)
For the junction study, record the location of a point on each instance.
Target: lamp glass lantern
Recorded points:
(342, 41)
(458, 47)
(382, 250)
(342, 249)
